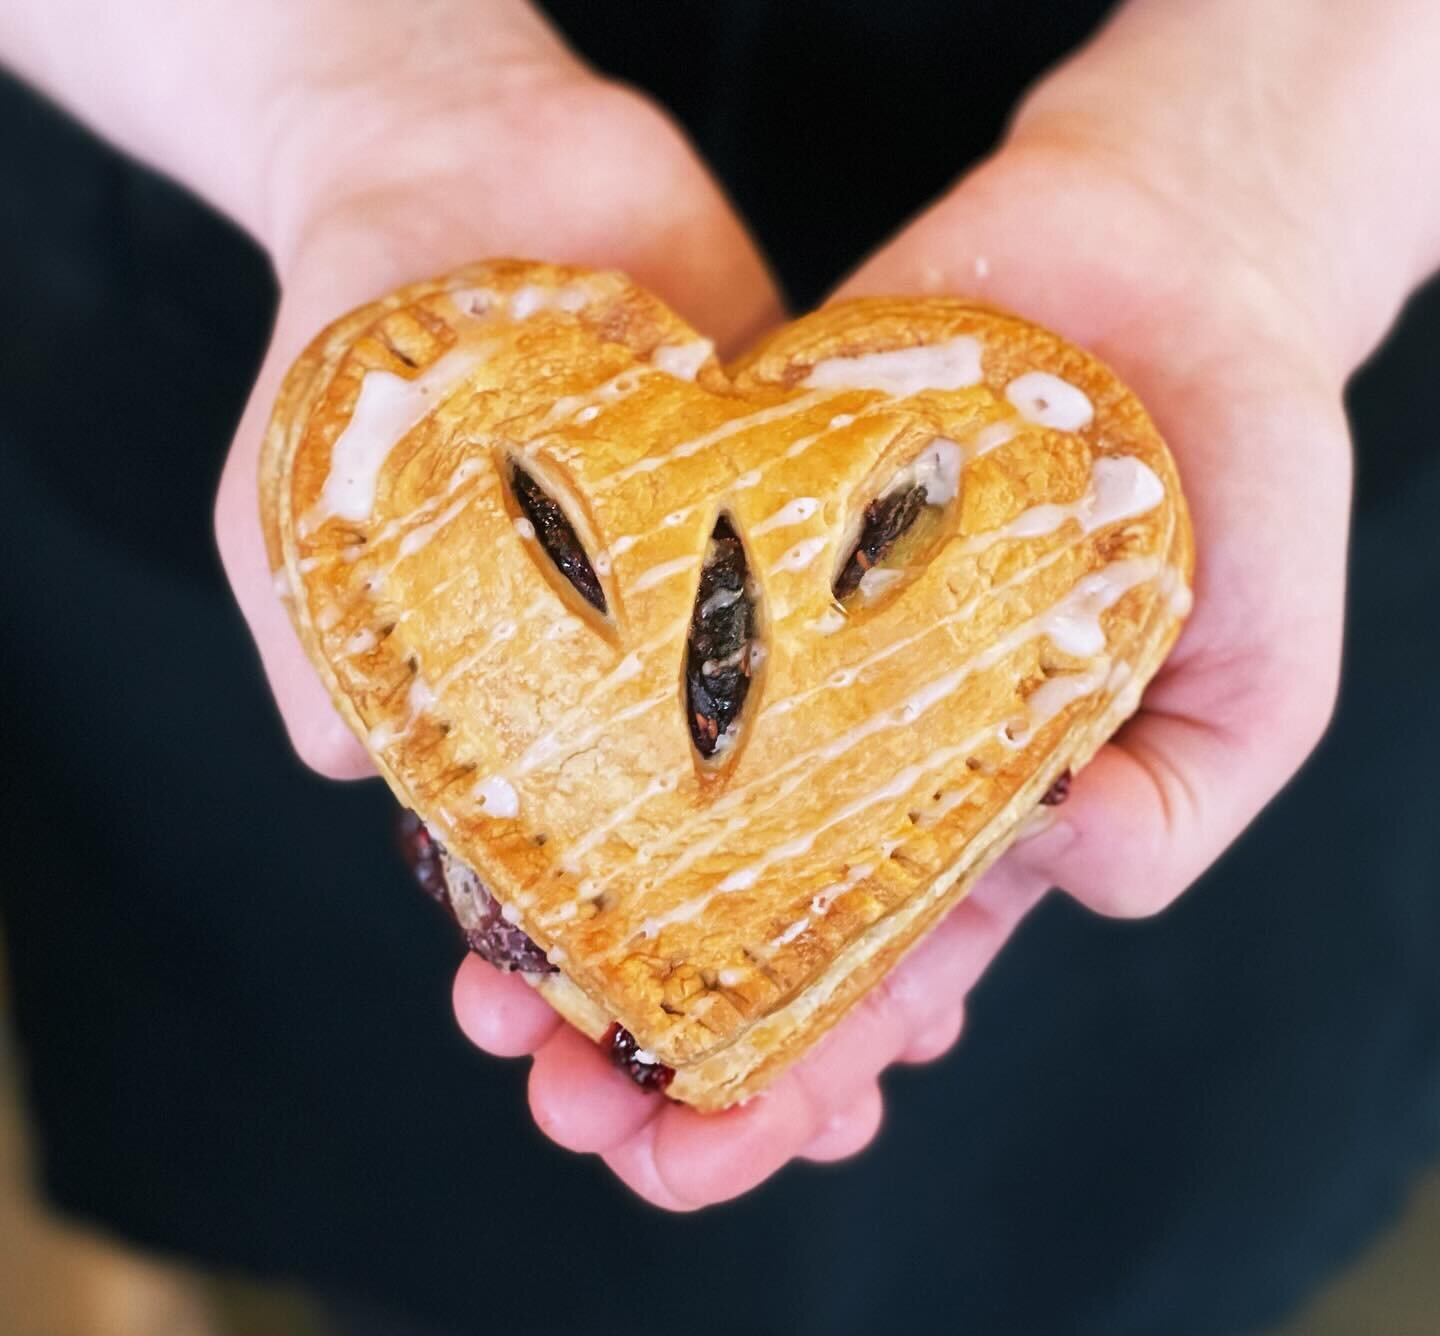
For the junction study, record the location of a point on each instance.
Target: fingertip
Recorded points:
(711, 1157)
(936, 1038)
(633, 1163)
(1117, 846)
(321, 738)
(847, 1131)
(580, 1100)
(861, 1046)
(500, 1012)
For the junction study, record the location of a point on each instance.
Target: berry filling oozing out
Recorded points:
(488, 933)
(504, 944)
(1058, 791)
(623, 1050)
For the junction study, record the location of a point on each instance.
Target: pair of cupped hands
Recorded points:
(1193, 291)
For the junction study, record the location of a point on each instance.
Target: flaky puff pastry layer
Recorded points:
(728, 910)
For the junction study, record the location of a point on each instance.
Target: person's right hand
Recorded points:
(400, 168)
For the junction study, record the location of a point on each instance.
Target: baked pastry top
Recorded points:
(725, 682)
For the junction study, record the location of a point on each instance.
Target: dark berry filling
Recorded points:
(886, 520)
(557, 536)
(421, 852)
(477, 913)
(1058, 791)
(502, 943)
(720, 649)
(621, 1048)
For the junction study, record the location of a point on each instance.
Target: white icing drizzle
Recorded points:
(790, 933)
(627, 668)
(362, 642)
(655, 923)
(878, 579)
(1051, 698)
(387, 409)
(554, 745)
(497, 797)
(834, 619)
(828, 622)
(1050, 401)
(658, 574)
(801, 555)
(792, 512)
(951, 365)
(747, 480)
(1073, 624)
(499, 634)
(800, 446)
(587, 406)
(547, 746)
(621, 546)
(479, 302)
(1121, 488)
(937, 470)
(573, 859)
(747, 422)
(682, 360)
(1178, 596)
(524, 527)
(948, 802)
(898, 786)
(991, 437)
(419, 698)
(821, 902)
(399, 525)
(417, 538)
(532, 299)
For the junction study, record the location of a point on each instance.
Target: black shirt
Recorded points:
(236, 1010)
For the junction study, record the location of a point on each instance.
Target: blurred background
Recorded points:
(232, 1097)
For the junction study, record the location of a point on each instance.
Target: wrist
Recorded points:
(370, 129)
(263, 106)
(1286, 140)
(1075, 240)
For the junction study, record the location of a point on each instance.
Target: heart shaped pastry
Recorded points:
(715, 687)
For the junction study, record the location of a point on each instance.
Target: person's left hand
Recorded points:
(1222, 351)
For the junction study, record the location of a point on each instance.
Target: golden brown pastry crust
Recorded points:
(727, 912)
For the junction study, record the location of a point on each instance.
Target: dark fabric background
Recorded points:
(236, 1010)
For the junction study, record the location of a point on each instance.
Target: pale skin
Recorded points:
(1228, 200)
